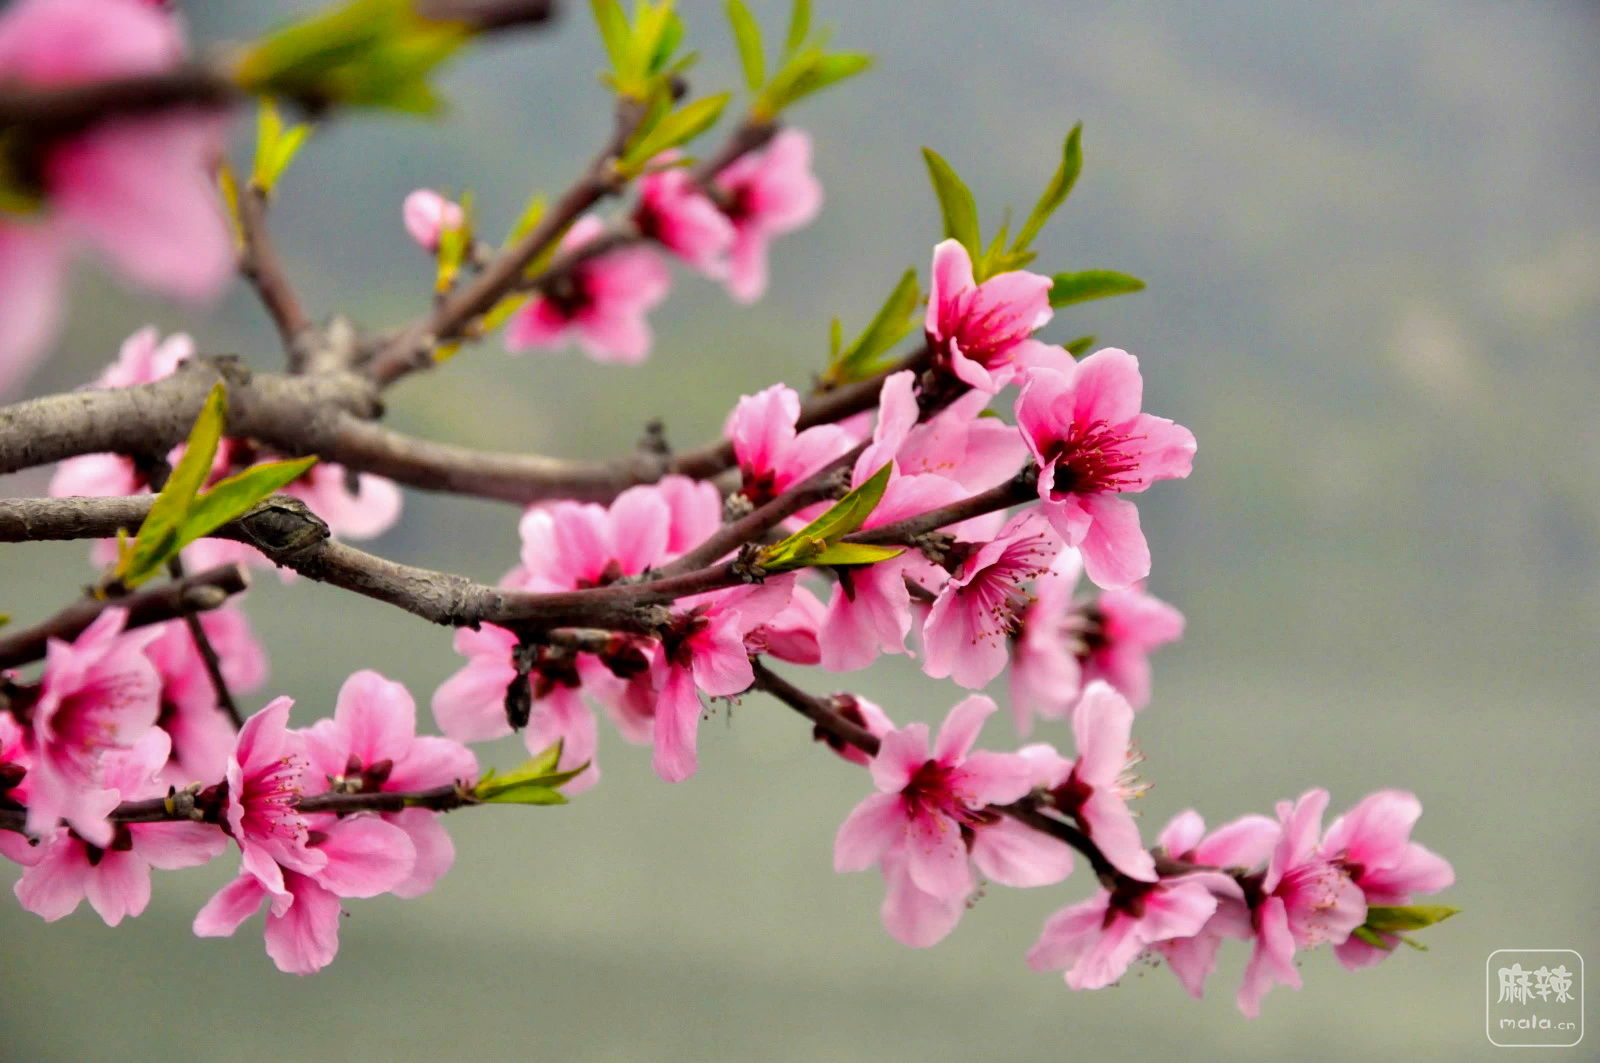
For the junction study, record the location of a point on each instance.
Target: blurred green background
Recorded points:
(1372, 237)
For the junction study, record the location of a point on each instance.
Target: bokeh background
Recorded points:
(1372, 237)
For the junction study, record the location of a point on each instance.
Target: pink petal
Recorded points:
(1245, 842)
(376, 715)
(305, 938)
(1182, 833)
(961, 727)
(1107, 388)
(1302, 822)
(1192, 960)
(31, 271)
(1272, 961)
(936, 858)
(1114, 550)
(1376, 831)
(912, 916)
(53, 886)
(900, 753)
(986, 778)
(677, 726)
(1102, 726)
(1108, 956)
(617, 336)
(1015, 855)
(229, 907)
(869, 831)
(141, 189)
(119, 886)
(1108, 820)
(540, 323)
(1068, 934)
(366, 857)
(175, 846)
(952, 278)
(435, 852)
(1419, 871)
(640, 525)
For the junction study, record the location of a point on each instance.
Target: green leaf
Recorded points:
(799, 27)
(1371, 937)
(845, 516)
(676, 129)
(747, 36)
(807, 71)
(1080, 346)
(614, 31)
(531, 214)
(276, 146)
(158, 536)
(1069, 288)
(235, 496)
(536, 782)
(365, 53)
(955, 204)
(895, 318)
(856, 554)
(1391, 919)
(1056, 192)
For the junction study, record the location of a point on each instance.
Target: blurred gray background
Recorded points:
(1372, 237)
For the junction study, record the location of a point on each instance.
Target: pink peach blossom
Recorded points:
(1124, 626)
(932, 815)
(965, 635)
(1097, 939)
(1046, 677)
(360, 507)
(266, 774)
(1093, 446)
(765, 194)
(138, 188)
(1306, 900)
(676, 213)
(115, 878)
(702, 650)
(791, 635)
(1372, 844)
(99, 694)
(602, 301)
(1096, 788)
(16, 760)
(371, 745)
(1241, 845)
(981, 331)
(427, 214)
(772, 456)
(359, 856)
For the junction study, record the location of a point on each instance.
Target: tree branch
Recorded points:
(46, 113)
(260, 265)
(289, 534)
(179, 598)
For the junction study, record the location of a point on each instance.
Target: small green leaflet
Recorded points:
(180, 514)
(1056, 192)
(671, 131)
(804, 67)
(814, 541)
(747, 36)
(1069, 288)
(536, 782)
(956, 204)
(1080, 346)
(1394, 919)
(640, 51)
(276, 146)
(864, 356)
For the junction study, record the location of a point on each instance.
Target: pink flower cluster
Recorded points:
(722, 231)
(354, 507)
(120, 716)
(138, 189)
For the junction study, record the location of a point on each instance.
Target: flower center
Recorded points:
(1090, 460)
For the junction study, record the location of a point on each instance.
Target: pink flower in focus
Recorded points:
(1241, 845)
(1306, 900)
(99, 694)
(1097, 939)
(771, 455)
(116, 878)
(371, 745)
(577, 545)
(932, 814)
(956, 443)
(359, 856)
(265, 777)
(965, 635)
(677, 214)
(1123, 626)
(202, 735)
(1096, 787)
(981, 331)
(138, 188)
(1093, 445)
(702, 649)
(765, 194)
(427, 214)
(362, 509)
(602, 300)
(1372, 844)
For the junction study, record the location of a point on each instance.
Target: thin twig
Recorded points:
(208, 656)
(260, 265)
(182, 597)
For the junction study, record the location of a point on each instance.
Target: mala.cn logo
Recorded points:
(1533, 998)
